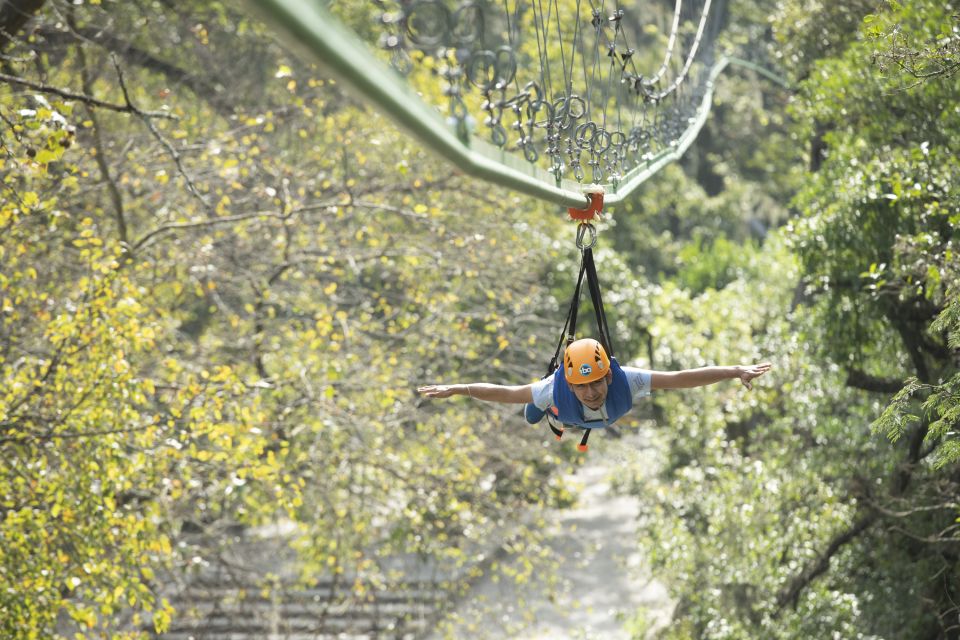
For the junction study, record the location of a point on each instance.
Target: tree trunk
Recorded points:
(14, 14)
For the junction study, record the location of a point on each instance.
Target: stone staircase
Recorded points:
(247, 588)
(212, 610)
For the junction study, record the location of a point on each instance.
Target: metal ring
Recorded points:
(534, 107)
(488, 70)
(568, 110)
(467, 25)
(582, 229)
(427, 23)
(576, 106)
(498, 135)
(604, 138)
(581, 135)
(400, 61)
(534, 88)
(529, 151)
(481, 69)
(597, 173)
(506, 61)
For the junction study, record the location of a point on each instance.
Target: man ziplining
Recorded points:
(591, 390)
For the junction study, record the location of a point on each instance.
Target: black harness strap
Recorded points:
(570, 326)
(569, 332)
(593, 282)
(583, 441)
(588, 267)
(566, 335)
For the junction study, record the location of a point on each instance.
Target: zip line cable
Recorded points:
(543, 118)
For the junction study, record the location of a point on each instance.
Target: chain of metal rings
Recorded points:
(523, 119)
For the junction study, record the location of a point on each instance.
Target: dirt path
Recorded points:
(603, 582)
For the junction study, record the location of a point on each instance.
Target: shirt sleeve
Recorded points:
(639, 381)
(543, 393)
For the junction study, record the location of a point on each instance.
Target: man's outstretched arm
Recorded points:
(703, 376)
(481, 391)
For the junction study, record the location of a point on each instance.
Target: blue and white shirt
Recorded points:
(638, 379)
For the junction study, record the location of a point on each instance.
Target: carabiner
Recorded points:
(582, 229)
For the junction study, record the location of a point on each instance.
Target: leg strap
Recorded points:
(557, 431)
(583, 441)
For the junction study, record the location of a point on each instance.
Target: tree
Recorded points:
(789, 518)
(220, 286)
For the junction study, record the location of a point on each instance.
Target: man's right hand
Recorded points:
(438, 390)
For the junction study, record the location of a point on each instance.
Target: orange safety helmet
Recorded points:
(585, 361)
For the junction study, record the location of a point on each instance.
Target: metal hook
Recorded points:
(582, 229)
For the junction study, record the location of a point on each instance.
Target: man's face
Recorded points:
(593, 394)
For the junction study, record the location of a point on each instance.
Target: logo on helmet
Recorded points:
(585, 370)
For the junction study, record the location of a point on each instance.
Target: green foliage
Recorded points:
(895, 419)
(881, 226)
(220, 286)
(785, 515)
(934, 57)
(808, 31)
(712, 264)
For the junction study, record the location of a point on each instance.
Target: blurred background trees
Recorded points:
(853, 292)
(222, 278)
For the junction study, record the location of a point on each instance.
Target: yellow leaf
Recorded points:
(30, 199)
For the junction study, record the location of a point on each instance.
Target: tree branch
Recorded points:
(146, 60)
(862, 380)
(915, 453)
(940, 538)
(790, 595)
(177, 158)
(66, 94)
(14, 14)
(47, 437)
(116, 198)
(200, 223)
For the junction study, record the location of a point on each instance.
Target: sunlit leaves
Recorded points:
(248, 356)
(880, 236)
(895, 419)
